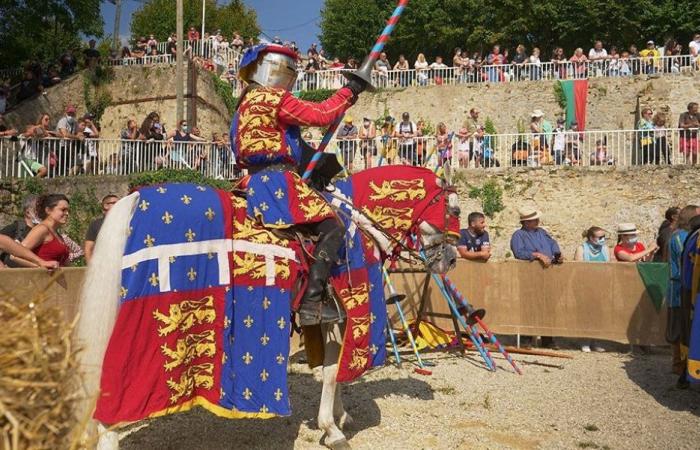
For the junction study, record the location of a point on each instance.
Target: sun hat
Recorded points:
(626, 228)
(537, 113)
(528, 213)
(348, 119)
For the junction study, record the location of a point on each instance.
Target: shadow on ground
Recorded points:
(200, 430)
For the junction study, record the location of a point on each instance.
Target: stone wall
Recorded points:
(572, 200)
(135, 92)
(611, 101)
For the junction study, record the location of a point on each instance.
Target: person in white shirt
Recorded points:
(694, 48)
(598, 55)
(421, 66)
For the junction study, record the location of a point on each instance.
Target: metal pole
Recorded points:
(117, 22)
(402, 318)
(179, 67)
(204, 8)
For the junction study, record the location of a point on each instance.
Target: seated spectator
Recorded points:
(593, 248)
(650, 59)
(237, 43)
(181, 152)
(689, 122)
(368, 145)
(474, 243)
(579, 64)
(192, 34)
(19, 229)
(44, 238)
(494, 59)
(600, 156)
(402, 67)
(531, 242)
(347, 142)
(152, 42)
(694, 46)
(93, 230)
(628, 248)
(389, 145)
(421, 66)
(662, 140)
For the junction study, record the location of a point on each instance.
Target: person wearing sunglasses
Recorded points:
(593, 248)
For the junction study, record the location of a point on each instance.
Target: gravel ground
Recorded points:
(596, 400)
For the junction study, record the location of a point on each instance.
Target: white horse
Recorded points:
(100, 304)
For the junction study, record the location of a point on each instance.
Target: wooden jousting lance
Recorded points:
(364, 73)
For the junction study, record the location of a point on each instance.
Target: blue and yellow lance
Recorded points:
(364, 73)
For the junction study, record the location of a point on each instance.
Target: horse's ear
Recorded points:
(447, 174)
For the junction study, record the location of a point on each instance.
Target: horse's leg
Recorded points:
(108, 440)
(332, 338)
(341, 416)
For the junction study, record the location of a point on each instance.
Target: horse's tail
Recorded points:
(99, 298)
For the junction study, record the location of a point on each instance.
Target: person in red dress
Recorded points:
(44, 239)
(628, 248)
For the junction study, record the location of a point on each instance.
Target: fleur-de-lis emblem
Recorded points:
(279, 193)
(161, 190)
(149, 241)
(372, 317)
(373, 349)
(264, 409)
(280, 222)
(201, 188)
(247, 358)
(227, 322)
(266, 303)
(221, 393)
(153, 279)
(171, 259)
(265, 178)
(264, 206)
(250, 288)
(247, 394)
(248, 321)
(278, 394)
(192, 274)
(281, 323)
(167, 218)
(190, 235)
(264, 375)
(186, 199)
(280, 358)
(143, 206)
(224, 358)
(251, 192)
(210, 214)
(123, 291)
(264, 339)
(133, 268)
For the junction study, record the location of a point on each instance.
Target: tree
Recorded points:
(157, 17)
(437, 27)
(43, 29)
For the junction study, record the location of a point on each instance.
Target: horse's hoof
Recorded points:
(341, 444)
(345, 421)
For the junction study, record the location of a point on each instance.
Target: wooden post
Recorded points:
(179, 67)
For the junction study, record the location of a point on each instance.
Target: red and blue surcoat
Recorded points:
(265, 132)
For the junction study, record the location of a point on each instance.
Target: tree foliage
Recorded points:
(43, 29)
(158, 17)
(437, 27)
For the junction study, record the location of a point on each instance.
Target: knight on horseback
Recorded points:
(266, 140)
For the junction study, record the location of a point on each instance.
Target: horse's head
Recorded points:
(411, 207)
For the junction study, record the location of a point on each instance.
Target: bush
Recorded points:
(176, 176)
(225, 91)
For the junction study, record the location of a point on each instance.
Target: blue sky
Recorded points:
(293, 20)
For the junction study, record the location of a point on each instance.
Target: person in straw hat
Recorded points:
(531, 242)
(628, 248)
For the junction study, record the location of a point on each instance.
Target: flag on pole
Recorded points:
(576, 93)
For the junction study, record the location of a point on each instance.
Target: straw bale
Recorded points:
(38, 371)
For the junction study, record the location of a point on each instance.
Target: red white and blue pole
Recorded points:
(371, 58)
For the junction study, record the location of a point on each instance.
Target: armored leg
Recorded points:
(313, 309)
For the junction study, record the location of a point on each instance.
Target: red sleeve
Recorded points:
(298, 112)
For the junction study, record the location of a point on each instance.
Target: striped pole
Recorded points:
(462, 300)
(443, 290)
(373, 56)
(393, 343)
(404, 323)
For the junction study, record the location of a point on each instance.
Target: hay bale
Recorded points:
(38, 372)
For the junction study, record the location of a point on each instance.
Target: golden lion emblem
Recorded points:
(398, 190)
(200, 375)
(388, 218)
(187, 349)
(358, 359)
(354, 296)
(185, 315)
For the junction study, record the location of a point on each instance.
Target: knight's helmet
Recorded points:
(269, 65)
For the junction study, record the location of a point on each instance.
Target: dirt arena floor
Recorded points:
(613, 400)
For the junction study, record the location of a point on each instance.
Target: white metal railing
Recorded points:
(220, 55)
(53, 157)
(144, 60)
(483, 73)
(621, 148)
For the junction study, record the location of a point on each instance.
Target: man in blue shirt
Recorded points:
(474, 243)
(532, 242)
